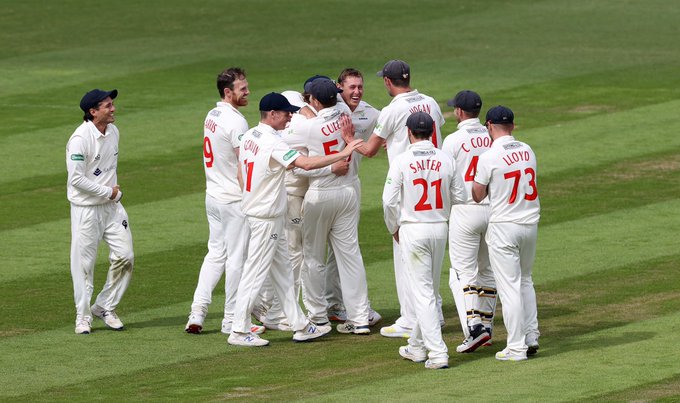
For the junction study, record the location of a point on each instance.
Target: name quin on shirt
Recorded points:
(250, 145)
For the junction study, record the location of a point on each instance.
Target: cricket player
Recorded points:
(507, 173)
(228, 239)
(96, 212)
(364, 118)
(471, 278)
(331, 209)
(391, 131)
(263, 159)
(421, 185)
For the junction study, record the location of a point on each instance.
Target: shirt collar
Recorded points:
(421, 145)
(469, 122)
(228, 106)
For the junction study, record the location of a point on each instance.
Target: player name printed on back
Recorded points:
(423, 165)
(330, 128)
(516, 156)
(420, 108)
(250, 145)
(477, 142)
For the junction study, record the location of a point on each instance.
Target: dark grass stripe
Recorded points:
(664, 391)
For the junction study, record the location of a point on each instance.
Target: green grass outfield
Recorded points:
(596, 92)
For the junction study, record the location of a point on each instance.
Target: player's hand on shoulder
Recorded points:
(347, 128)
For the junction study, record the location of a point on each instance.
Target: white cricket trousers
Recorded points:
(423, 246)
(294, 221)
(90, 225)
(512, 248)
(267, 255)
(332, 216)
(469, 257)
(227, 245)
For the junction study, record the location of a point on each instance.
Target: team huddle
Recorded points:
(283, 199)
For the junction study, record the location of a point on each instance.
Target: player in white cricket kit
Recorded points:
(364, 118)
(331, 211)
(507, 174)
(228, 237)
(263, 159)
(96, 212)
(471, 278)
(391, 130)
(421, 185)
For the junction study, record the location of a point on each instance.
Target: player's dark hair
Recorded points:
(422, 134)
(401, 82)
(226, 79)
(332, 102)
(88, 116)
(470, 114)
(349, 72)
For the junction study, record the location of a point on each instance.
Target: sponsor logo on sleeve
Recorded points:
(290, 154)
(388, 181)
(77, 157)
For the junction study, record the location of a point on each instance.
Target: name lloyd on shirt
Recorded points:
(516, 156)
(432, 165)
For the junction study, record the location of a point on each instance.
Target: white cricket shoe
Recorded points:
(413, 353)
(246, 340)
(254, 329)
(478, 336)
(259, 312)
(347, 328)
(195, 323)
(83, 325)
(505, 355)
(373, 317)
(282, 326)
(337, 313)
(395, 331)
(109, 317)
(531, 341)
(311, 332)
(438, 364)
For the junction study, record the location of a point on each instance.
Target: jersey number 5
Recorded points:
(422, 204)
(532, 183)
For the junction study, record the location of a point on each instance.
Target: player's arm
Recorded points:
(75, 166)
(239, 175)
(391, 201)
(308, 163)
(339, 168)
(479, 191)
(369, 148)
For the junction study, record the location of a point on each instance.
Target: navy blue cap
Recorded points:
(420, 123)
(324, 89)
(395, 69)
(276, 102)
(94, 97)
(466, 100)
(500, 115)
(308, 82)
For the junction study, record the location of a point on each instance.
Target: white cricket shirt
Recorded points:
(296, 185)
(391, 124)
(420, 187)
(264, 157)
(91, 162)
(223, 127)
(509, 170)
(465, 145)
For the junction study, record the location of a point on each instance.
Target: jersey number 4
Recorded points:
(516, 175)
(423, 204)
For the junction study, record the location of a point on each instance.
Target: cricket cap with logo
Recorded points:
(467, 100)
(500, 115)
(276, 102)
(324, 89)
(395, 69)
(420, 123)
(93, 98)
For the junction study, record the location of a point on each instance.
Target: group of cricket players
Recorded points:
(283, 207)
